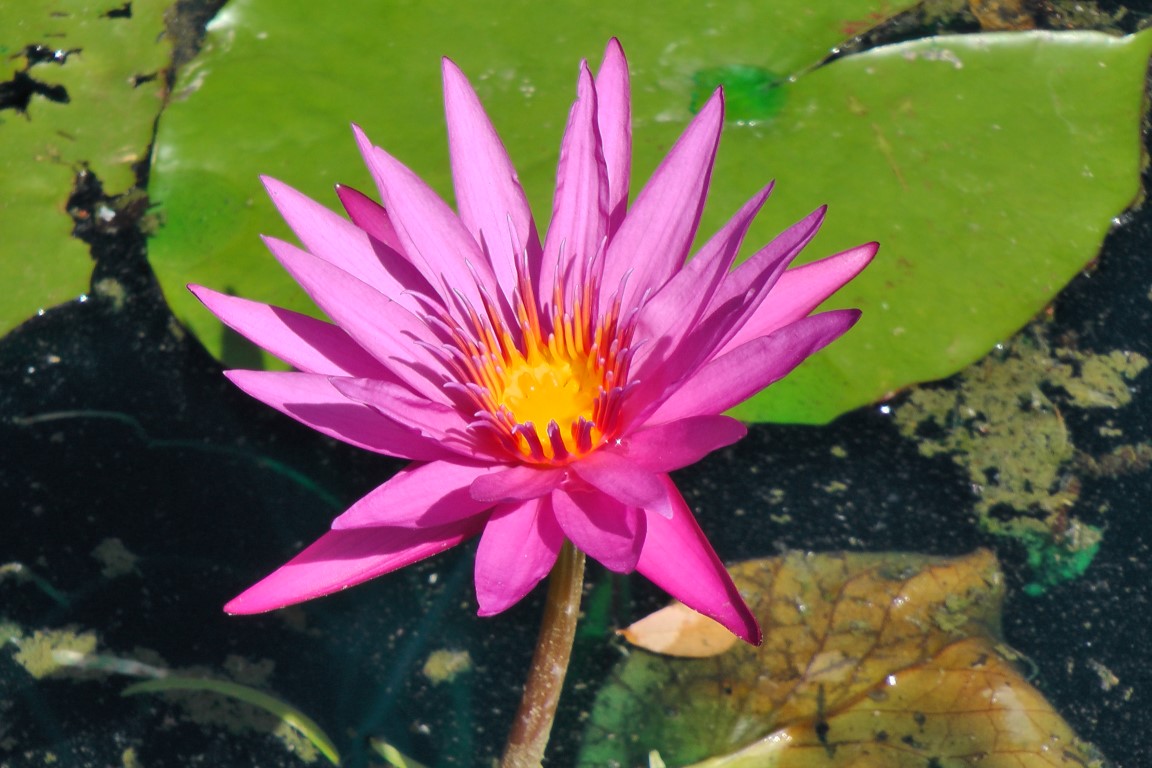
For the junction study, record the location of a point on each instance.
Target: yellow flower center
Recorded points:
(547, 394)
(543, 391)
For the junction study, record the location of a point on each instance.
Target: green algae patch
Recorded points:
(1003, 422)
(115, 559)
(751, 94)
(40, 653)
(233, 704)
(444, 666)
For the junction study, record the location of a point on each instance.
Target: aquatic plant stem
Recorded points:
(533, 723)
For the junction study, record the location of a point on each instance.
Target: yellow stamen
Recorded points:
(546, 388)
(550, 396)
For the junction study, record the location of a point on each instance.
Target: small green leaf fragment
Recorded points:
(288, 714)
(393, 755)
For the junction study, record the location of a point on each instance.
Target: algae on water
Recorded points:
(1002, 421)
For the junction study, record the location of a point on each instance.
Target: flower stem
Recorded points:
(533, 724)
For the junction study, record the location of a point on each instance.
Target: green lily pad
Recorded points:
(989, 167)
(271, 94)
(95, 80)
(960, 154)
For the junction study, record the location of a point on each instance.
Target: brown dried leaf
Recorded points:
(869, 661)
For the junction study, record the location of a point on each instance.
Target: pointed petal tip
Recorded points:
(236, 607)
(816, 217)
(258, 598)
(248, 603)
(274, 186)
(861, 256)
(585, 82)
(352, 198)
(452, 77)
(487, 611)
(210, 298)
(715, 104)
(751, 633)
(735, 616)
(362, 141)
(449, 68)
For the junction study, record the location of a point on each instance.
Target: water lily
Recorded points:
(542, 390)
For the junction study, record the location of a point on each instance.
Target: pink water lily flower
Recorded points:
(542, 391)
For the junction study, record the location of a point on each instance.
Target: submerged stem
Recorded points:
(533, 721)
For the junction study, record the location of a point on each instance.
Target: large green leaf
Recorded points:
(278, 83)
(959, 154)
(989, 167)
(107, 59)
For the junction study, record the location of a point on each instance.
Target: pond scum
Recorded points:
(1003, 421)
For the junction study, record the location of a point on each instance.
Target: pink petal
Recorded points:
(442, 423)
(677, 307)
(672, 361)
(341, 559)
(518, 483)
(614, 120)
(369, 215)
(653, 241)
(303, 342)
(488, 192)
(801, 290)
(312, 400)
(334, 239)
(517, 549)
(580, 206)
(678, 558)
(419, 496)
(628, 483)
(381, 326)
(658, 378)
(770, 259)
(430, 234)
(737, 375)
(679, 443)
(600, 526)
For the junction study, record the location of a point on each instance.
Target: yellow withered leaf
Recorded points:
(868, 661)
